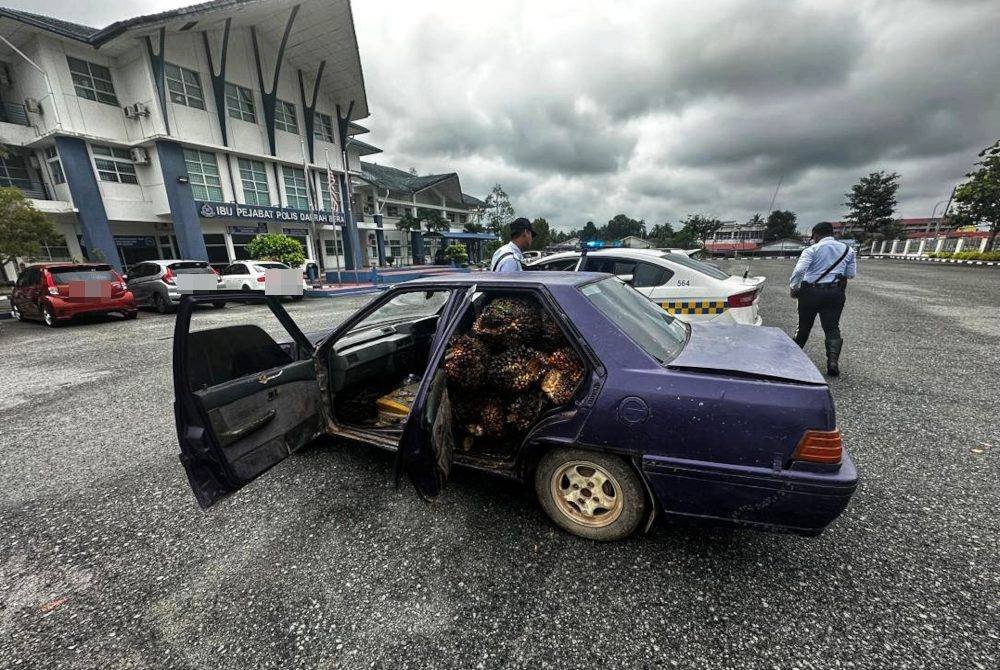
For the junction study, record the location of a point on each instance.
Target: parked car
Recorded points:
(57, 292)
(250, 276)
(719, 423)
(690, 289)
(154, 283)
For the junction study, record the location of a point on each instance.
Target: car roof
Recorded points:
(66, 264)
(511, 278)
(165, 261)
(615, 251)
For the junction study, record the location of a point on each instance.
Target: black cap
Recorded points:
(519, 225)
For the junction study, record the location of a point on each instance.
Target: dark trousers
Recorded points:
(828, 303)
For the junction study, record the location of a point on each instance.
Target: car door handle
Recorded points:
(229, 436)
(264, 378)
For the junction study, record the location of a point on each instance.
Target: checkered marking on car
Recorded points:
(694, 306)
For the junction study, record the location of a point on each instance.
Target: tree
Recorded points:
(979, 198)
(275, 247)
(622, 226)
(456, 253)
(23, 229)
(498, 212)
(589, 232)
(433, 220)
(701, 227)
(662, 235)
(872, 202)
(543, 236)
(780, 224)
(474, 227)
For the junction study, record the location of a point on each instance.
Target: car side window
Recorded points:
(559, 265)
(615, 266)
(647, 275)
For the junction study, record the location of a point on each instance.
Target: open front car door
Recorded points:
(242, 401)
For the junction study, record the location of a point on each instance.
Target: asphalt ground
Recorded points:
(107, 562)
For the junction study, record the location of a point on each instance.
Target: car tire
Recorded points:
(219, 304)
(131, 315)
(569, 481)
(15, 313)
(48, 317)
(161, 304)
(296, 298)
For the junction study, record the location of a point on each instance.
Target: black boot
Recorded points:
(833, 347)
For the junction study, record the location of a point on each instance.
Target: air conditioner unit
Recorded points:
(141, 109)
(139, 156)
(129, 111)
(32, 105)
(5, 79)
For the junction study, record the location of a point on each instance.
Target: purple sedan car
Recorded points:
(717, 423)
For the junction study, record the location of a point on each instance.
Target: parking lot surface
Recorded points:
(106, 561)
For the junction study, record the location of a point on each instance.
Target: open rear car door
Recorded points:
(242, 401)
(427, 446)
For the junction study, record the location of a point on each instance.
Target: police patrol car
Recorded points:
(689, 289)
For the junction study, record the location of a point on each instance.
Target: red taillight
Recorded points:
(261, 279)
(742, 299)
(168, 276)
(50, 283)
(819, 446)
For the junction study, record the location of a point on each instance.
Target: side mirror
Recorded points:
(124, 277)
(626, 278)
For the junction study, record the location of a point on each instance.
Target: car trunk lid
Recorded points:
(763, 352)
(81, 284)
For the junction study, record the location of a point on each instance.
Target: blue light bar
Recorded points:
(600, 244)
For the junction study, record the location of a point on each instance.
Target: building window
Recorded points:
(324, 189)
(253, 174)
(114, 164)
(296, 192)
(92, 81)
(203, 173)
(239, 103)
(395, 248)
(55, 167)
(284, 117)
(215, 244)
(463, 218)
(324, 127)
(333, 248)
(392, 210)
(451, 216)
(184, 86)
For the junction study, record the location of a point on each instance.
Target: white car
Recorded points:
(687, 288)
(250, 275)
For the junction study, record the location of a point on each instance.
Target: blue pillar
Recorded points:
(380, 239)
(417, 247)
(87, 200)
(183, 212)
(352, 243)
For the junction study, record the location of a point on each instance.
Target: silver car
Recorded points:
(154, 283)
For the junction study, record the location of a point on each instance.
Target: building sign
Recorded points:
(229, 210)
(260, 228)
(295, 231)
(134, 241)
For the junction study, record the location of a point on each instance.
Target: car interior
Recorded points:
(485, 395)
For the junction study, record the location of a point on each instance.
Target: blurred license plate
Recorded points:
(90, 289)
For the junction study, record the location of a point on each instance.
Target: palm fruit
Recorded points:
(516, 369)
(523, 410)
(564, 376)
(506, 321)
(465, 362)
(550, 334)
(488, 421)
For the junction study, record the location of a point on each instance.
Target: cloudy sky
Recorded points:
(659, 109)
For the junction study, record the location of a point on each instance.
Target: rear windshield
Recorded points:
(264, 266)
(66, 275)
(190, 268)
(704, 268)
(652, 328)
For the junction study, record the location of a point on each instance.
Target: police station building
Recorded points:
(184, 134)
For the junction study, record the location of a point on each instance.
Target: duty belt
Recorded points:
(824, 285)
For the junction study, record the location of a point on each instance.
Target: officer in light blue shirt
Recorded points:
(510, 257)
(819, 282)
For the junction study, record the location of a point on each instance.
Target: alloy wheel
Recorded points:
(587, 493)
(15, 312)
(47, 317)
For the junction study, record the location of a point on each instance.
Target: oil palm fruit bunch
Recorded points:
(516, 369)
(465, 362)
(565, 372)
(523, 409)
(550, 335)
(508, 320)
(488, 420)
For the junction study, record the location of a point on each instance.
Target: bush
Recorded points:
(456, 253)
(274, 247)
(967, 255)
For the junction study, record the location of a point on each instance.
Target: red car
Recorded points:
(55, 292)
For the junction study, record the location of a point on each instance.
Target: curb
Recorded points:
(938, 260)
